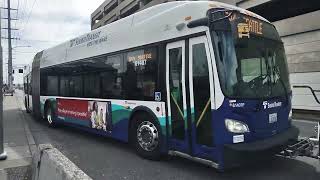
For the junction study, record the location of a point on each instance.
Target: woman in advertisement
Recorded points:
(94, 115)
(97, 118)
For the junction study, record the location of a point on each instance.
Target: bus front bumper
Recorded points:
(238, 154)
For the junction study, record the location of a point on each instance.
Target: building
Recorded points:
(112, 10)
(297, 21)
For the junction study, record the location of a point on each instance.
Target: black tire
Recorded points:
(49, 115)
(144, 119)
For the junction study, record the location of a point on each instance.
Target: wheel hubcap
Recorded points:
(147, 135)
(49, 117)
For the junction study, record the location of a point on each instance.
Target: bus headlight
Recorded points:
(236, 126)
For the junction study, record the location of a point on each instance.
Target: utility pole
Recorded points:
(3, 154)
(10, 78)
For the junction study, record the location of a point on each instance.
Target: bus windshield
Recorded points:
(254, 67)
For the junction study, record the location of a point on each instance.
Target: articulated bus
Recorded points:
(199, 79)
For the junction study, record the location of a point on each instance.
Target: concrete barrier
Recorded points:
(48, 163)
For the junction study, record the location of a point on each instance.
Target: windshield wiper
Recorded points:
(268, 75)
(282, 84)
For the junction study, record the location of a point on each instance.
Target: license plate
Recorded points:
(273, 118)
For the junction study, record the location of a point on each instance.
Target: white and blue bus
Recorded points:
(199, 79)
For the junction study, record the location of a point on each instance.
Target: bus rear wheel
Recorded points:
(49, 115)
(146, 136)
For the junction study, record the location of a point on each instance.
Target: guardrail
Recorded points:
(312, 91)
(317, 128)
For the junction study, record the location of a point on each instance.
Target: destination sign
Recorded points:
(141, 57)
(254, 25)
(243, 25)
(249, 25)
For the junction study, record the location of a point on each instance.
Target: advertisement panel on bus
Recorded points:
(94, 114)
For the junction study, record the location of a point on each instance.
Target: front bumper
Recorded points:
(237, 154)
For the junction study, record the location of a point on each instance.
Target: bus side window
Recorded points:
(25, 85)
(30, 88)
(75, 85)
(92, 85)
(140, 74)
(111, 77)
(52, 86)
(64, 86)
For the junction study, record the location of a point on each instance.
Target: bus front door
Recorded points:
(190, 97)
(176, 97)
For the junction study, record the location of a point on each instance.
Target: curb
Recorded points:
(30, 138)
(50, 164)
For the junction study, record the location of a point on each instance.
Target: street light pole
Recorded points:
(3, 154)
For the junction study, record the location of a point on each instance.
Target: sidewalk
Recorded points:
(18, 141)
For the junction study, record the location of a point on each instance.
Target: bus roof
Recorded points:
(157, 23)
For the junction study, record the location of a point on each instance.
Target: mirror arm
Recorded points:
(198, 22)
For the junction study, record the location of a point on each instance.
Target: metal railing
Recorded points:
(317, 127)
(312, 91)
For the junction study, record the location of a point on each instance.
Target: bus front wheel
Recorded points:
(146, 136)
(49, 115)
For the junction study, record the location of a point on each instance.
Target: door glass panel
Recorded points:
(201, 90)
(176, 96)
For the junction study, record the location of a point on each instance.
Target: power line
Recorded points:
(15, 25)
(28, 17)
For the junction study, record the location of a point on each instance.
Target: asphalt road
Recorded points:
(307, 128)
(104, 158)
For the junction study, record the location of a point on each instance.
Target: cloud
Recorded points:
(46, 23)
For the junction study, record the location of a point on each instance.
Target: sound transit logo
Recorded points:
(267, 105)
(90, 39)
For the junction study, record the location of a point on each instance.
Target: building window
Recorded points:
(110, 6)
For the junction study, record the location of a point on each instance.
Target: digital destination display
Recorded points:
(244, 26)
(141, 57)
(249, 26)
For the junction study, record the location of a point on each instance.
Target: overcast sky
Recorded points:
(43, 24)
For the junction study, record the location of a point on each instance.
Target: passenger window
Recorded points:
(111, 77)
(43, 84)
(75, 85)
(64, 86)
(92, 85)
(52, 86)
(141, 74)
